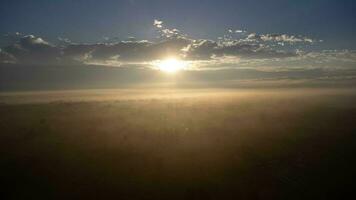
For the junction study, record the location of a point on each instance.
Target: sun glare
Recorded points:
(170, 65)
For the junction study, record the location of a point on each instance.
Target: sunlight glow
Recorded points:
(170, 65)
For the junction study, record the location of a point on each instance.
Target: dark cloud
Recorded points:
(6, 57)
(33, 50)
(244, 48)
(207, 49)
(126, 51)
(10, 38)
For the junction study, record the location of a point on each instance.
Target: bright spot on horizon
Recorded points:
(170, 65)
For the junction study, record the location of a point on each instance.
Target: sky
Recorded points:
(262, 36)
(331, 20)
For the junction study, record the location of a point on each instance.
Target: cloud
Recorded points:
(285, 38)
(125, 51)
(157, 23)
(64, 41)
(208, 49)
(31, 40)
(6, 57)
(239, 31)
(279, 38)
(247, 50)
(33, 50)
(10, 38)
(165, 32)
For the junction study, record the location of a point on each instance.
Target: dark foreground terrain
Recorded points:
(290, 144)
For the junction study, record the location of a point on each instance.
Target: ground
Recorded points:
(178, 144)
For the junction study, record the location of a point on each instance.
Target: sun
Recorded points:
(170, 65)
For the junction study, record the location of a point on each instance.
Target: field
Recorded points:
(178, 144)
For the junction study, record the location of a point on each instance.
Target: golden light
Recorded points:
(170, 65)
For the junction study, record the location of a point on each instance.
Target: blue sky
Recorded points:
(333, 21)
